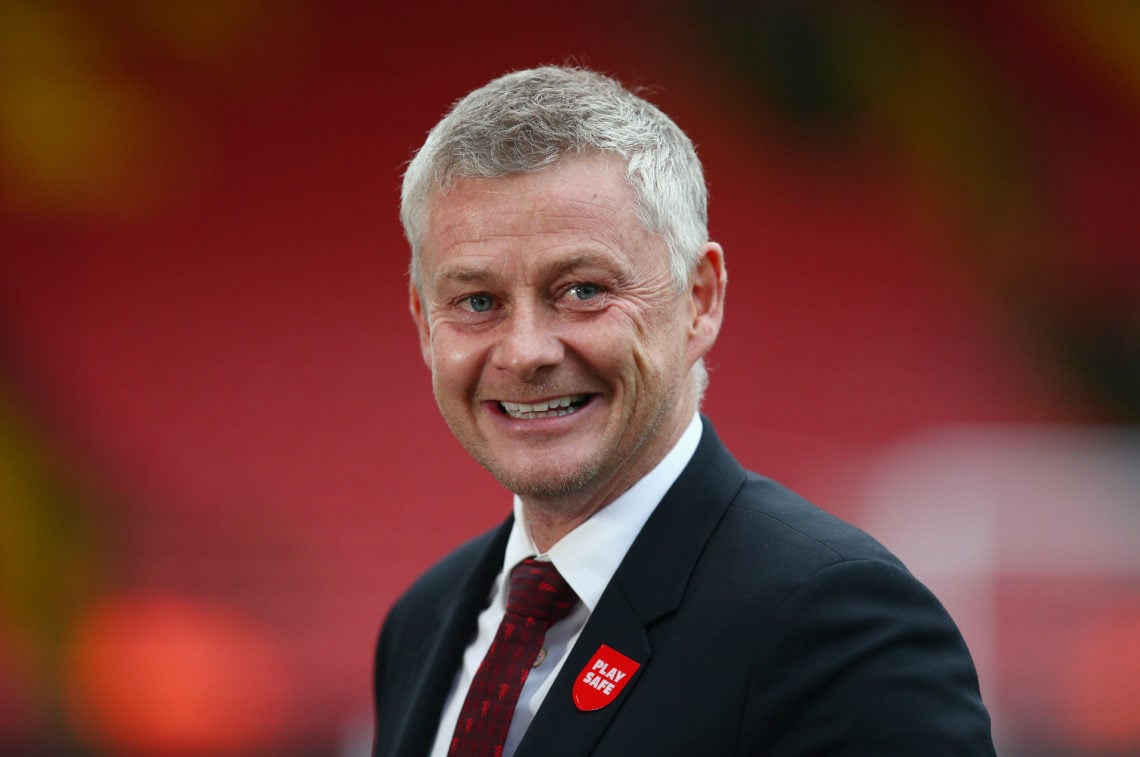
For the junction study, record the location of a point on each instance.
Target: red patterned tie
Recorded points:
(538, 598)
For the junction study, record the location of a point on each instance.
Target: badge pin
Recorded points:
(603, 678)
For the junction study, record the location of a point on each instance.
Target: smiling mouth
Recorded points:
(552, 408)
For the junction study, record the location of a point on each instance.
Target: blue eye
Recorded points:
(585, 291)
(480, 303)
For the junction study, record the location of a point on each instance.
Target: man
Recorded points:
(566, 293)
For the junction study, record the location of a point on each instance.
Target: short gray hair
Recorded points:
(529, 120)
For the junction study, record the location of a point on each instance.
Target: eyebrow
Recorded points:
(463, 274)
(583, 259)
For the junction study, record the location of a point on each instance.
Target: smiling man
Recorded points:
(647, 595)
(562, 352)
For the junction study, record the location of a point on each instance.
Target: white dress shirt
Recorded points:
(587, 558)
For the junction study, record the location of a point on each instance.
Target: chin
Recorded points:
(544, 485)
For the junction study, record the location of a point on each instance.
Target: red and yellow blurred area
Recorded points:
(220, 460)
(155, 675)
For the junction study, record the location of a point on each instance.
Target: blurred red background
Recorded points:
(220, 460)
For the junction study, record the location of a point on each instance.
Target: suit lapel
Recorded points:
(442, 652)
(559, 728)
(648, 585)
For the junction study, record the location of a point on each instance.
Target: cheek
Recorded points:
(660, 357)
(455, 361)
(625, 351)
(660, 334)
(646, 335)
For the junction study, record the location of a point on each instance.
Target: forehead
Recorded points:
(584, 202)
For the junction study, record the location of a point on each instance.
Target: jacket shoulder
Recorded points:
(786, 521)
(422, 599)
(856, 654)
(422, 637)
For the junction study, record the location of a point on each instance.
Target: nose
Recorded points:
(528, 342)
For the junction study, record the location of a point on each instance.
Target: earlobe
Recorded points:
(419, 315)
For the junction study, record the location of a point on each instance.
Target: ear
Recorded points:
(706, 300)
(422, 325)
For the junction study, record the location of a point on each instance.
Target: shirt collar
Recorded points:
(588, 556)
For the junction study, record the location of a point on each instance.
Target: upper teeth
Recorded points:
(515, 408)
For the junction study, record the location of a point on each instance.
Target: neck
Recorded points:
(549, 519)
(546, 529)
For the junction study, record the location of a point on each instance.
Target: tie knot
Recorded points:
(539, 591)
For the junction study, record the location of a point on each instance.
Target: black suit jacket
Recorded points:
(763, 626)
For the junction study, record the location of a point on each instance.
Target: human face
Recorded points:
(559, 345)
